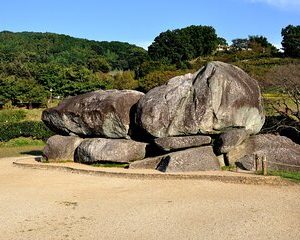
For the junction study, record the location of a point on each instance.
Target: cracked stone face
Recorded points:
(217, 97)
(98, 113)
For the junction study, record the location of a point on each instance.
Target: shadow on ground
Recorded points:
(33, 153)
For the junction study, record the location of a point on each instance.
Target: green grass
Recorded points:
(111, 165)
(294, 176)
(21, 147)
(228, 168)
(12, 115)
(20, 151)
(22, 141)
(22, 114)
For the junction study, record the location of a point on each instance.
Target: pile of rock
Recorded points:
(195, 122)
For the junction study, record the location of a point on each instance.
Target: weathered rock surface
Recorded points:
(216, 97)
(232, 138)
(98, 113)
(147, 163)
(193, 159)
(173, 143)
(61, 148)
(111, 150)
(277, 149)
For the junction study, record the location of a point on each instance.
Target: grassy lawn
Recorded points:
(20, 151)
(113, 165)
(294, 176)
(21, 147)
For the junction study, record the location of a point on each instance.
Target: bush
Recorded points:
(10, 116)
(34, 129)
(158, 78)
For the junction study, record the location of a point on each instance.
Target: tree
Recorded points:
(33, 63)
(291, 41)
(125, 80)
(183, 44)
(240, 43)
(98, 64)
(261, 44)
(284, 113)
(222, 41)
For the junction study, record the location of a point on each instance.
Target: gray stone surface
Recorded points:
(277, 149)
(216, 97)
(147, 163)
(61, 148)
(173, 143)
(193, 159)
(98, 113)
(111, 150)
(232, 138)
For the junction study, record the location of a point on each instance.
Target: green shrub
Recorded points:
(34, 129)
(11, 116)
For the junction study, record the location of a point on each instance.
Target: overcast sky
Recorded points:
(139, 22)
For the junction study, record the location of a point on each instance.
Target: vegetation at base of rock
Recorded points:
(228, 168)
(294, 176)
(110, 165)
(34, 129)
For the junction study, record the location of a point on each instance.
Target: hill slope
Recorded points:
(33, 64)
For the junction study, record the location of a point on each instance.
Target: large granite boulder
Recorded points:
(110, 150)
(147, 163)
(61, 148)
(232, 138)
(281, 152)
(98, 113)
(214, 98)
(173, 143)
(193, 159)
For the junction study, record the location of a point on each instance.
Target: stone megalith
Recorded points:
(61, 148)
(280, 152)
(99, 113)
(109, 150)
(216, 97)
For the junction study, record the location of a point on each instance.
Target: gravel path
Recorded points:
(49, 204)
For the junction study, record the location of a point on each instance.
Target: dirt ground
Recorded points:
(51, 204)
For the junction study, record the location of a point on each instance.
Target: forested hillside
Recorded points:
(35, 67)
(33, 63)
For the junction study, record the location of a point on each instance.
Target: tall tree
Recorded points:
(183, 44)
(291, 40)
(240, 43)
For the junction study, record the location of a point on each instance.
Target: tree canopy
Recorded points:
(33, 63)
(183, 44)
(291, 40)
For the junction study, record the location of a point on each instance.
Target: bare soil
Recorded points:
(51, 204)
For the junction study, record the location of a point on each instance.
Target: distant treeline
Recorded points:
(37, 66)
